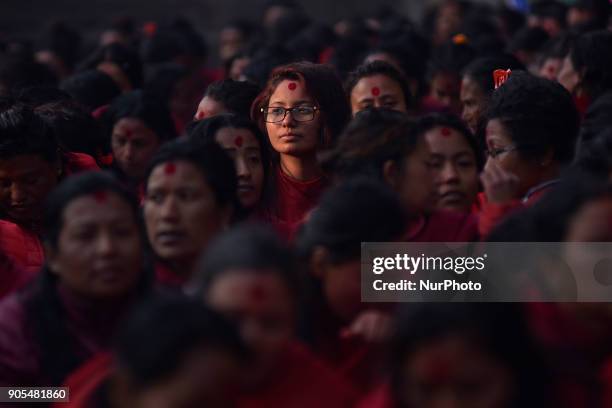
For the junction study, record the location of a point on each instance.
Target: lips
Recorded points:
(452, 196)
(170, 237)
(289, 137)
(245, 188)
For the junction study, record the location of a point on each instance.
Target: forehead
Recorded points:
(290, 91)
(23, 164)
(211, 104)
(227, 137)
(176, 173)
(471, 87)
(250, 286)
(96, 207)
(131, 125)
(497, 131)
(386, 84)
(445, 137)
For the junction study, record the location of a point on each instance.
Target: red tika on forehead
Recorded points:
(445, 131)
(238, 141)
(170, 168)
(375, 91)
(100, 196)
(292, 86)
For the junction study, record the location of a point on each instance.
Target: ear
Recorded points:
(51, 257)
(319, 262)
(390, 172)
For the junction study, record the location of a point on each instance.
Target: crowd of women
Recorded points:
(174, 234)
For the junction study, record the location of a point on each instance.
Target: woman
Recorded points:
(477, 86)
(455, 159)
(137, 126)
(301, 110)
(250, 276)
(245, 143)
(377, 85)
(169, 352)
(385, 144)
(31, 165)
(190, 196)
(93, 274)
(531, 130)
(586, 70)
(344, 331)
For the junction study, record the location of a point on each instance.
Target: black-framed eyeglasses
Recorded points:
(493, 153)
(299, 113)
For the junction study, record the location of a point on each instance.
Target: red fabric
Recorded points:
(167, 278)
(302, 381)
(292, 202)
(85, 381)
(492, 214)
(380, 397)
(90, 325)
(79, 162)
(582, 104)
(606, 380)
(24, 253)
(443, 226)
(98, 112)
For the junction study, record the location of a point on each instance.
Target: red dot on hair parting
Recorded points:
(445, 131)
(170, 168)
(292, 86)
(551, 69)
(100, 196)
(375, 91)
(238, 141)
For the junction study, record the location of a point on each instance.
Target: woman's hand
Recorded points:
(372, 326)
(499, 185)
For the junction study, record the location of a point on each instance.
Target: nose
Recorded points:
(449, 173)
(18, 193)
(242, 169)
(105, 244)
(288, 120)
(169, 210)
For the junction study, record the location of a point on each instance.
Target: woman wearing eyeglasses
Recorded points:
(531, 130)
(302, 109)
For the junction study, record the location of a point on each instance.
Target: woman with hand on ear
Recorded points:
(531, 132)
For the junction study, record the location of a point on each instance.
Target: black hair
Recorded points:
(263, 62)
(450, 58)
(428, 122)
(558, 47)
(595, 154)
(44, 308)
(358, 210)
(530, 39)
(21, 71)
(73, 127)
(22, 132)
(310, 42)
(254, 248)
(597, 118)
(481, 70)
(378, 68)
(38, 95)
(137, 104)
(216, 167)
(236, 96)
(92, 88)
(63, 41)
(172, 41)
(125, 58)
(600, 12)
(162, 80)
(550, 9)
(373, 137)
(497, 329)
(161, 333)
(592, 59)
(539, 115)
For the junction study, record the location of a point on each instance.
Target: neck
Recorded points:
(300, 168)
